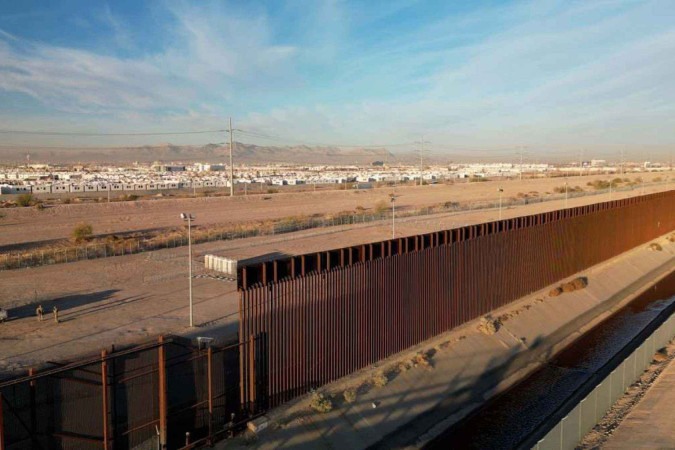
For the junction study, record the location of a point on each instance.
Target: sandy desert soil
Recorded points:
(24, 225)
(137, 297)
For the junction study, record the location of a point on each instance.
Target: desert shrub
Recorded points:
(404, 366)
(320, 403)
(569, 287)
(449, 205)
(66, 201)
(380, 379)
(273, 191)
(655, 246)
(657, 179)
(598, 184)
(422, 359)
(25, 200)
(580, 282)
(381, 207)
(475, 179)
(360, 209)
(616, 181)
(555, 292)
(489, 325)
(82, 232)
(349, 395)
(39, 206)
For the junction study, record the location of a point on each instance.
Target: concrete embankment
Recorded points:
(464, 367)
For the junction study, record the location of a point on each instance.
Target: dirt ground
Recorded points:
(25, 225)
(138, 297)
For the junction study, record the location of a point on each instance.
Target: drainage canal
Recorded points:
(518, 416)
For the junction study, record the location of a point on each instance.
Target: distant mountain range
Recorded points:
(243, 153)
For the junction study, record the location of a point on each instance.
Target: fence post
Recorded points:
(2, 426)
(252, 368)
(104, 397)
(33, 407)
(209, 356)
(162, 394)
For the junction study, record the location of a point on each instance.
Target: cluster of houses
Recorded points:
(45, 179)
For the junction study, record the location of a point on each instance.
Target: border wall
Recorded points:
(311, 319)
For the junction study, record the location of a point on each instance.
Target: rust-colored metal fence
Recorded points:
(310, 319)
(136, 398)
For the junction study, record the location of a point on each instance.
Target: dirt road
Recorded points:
(25, 225)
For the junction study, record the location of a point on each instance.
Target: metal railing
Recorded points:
(567, 433)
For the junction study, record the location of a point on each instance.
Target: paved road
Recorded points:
(651, 423)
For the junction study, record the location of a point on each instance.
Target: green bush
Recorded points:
(82, 232)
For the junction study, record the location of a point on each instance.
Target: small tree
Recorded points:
(82, 232)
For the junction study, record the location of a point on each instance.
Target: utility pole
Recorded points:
(565, 194)
(421, 143)
(581, 161)
(522, 150)
(231, 166)
(621, 161)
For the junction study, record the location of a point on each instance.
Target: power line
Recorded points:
(298, 142)
(67, 133)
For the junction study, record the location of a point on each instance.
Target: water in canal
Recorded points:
(504, 421)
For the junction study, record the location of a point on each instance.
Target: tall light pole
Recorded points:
(231, 164)
(189, 218)
(500, 202)
(642, 186)
(610, 188)
(565, 194)
(393, 215)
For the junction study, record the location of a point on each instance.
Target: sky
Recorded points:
(553, 76)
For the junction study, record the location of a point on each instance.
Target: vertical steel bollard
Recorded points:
(2, 425)
(163, 407)
(105, 399)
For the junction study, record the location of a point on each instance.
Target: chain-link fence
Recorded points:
(119, 247)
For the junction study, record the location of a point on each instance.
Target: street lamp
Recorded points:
(565, 194)
(500, 202)
(187, 217)
(393, 215)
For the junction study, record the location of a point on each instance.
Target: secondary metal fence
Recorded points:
(311, 319)
(124, 246)
(569, 432)
(167, 393)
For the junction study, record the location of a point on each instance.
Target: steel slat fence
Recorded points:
(309, 320)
